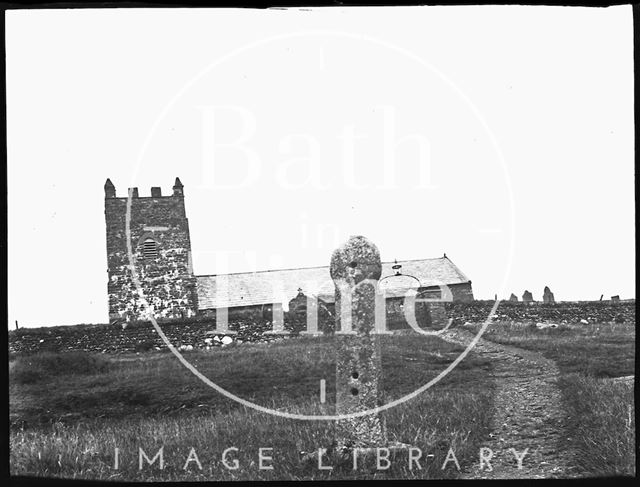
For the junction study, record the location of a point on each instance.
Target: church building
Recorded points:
(160, 244)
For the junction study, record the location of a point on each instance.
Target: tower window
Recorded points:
(150, 249)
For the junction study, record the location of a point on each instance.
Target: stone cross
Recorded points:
(355, 269)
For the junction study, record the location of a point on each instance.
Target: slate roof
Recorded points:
(280, 286)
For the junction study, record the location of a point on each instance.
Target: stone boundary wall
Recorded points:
(200, 334)
(565, 312)
(136, 337)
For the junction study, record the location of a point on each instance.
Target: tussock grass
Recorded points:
(601, 416)
(281, 372)
(69, 427)
(87, 450)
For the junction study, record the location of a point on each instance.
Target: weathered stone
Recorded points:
(513, 298)
(547, 296)
(355, 269)
(615, 299)
(161, 250)
(437, 313)
(542, 326)
(527, 297)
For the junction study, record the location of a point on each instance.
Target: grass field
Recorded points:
(70, 411)
(597, 350)
(601, 412)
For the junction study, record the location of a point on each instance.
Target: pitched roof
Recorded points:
(280, 286)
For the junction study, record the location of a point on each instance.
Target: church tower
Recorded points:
(161, 251)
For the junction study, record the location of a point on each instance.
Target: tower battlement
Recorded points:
(156, 191)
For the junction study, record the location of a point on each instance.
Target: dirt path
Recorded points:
(528, 414)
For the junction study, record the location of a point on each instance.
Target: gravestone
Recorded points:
(527, 297)
(298, 306)
(547, 296)
(513, 298)
(303, 314)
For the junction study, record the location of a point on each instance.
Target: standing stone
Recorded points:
(355, 269)
(359, 319)
(615, 299)
(513, 298)
(527, 297)
(547, 296)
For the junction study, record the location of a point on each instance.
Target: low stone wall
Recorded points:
(136, 337)
(536, 312)
(200, 334)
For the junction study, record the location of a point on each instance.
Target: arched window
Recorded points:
(150, 249)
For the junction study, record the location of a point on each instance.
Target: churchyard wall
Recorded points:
(199, 332)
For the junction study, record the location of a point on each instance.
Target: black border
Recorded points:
(4, 446)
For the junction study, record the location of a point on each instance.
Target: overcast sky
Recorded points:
(502, 136)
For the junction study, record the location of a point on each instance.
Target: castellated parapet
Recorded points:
(161, 249)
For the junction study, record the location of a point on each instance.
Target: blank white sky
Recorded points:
(118, 93)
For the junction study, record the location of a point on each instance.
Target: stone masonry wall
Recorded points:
(199, 333)
(564, 312)
(462, 292)
(167, 281)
